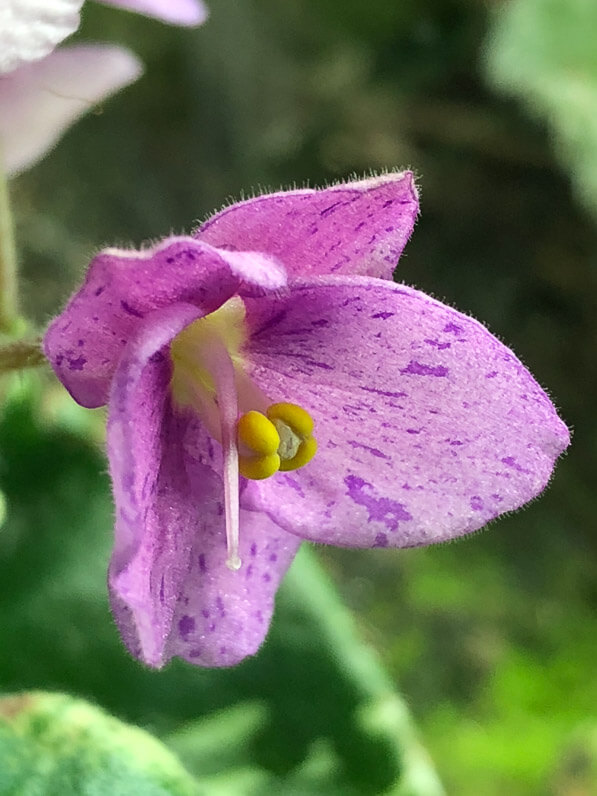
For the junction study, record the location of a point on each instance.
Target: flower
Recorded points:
(217, 351)
(40, 100)
(43, 92)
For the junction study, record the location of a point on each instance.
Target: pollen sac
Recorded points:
(280, 440)
(258, 443)
(295, 427)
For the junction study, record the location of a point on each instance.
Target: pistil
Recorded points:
(215, 358)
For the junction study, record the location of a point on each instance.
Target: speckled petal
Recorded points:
(39, 101)
(353, 228)
(85, 342)
(170, 589)
(222, 616)
(428, 426)
(176, 12)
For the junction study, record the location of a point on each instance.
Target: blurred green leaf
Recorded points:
(544, 52)
(313, 712)
(54, 745)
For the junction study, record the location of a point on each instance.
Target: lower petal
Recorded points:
(171, 591)
(222, 615)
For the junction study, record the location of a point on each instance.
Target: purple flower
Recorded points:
(280, 311)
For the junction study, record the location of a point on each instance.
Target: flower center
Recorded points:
(258, 437)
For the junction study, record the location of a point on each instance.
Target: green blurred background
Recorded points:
(491, 641)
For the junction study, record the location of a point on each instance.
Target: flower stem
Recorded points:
(21, 354)
(8, 262)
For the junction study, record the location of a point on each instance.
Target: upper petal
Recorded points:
(171, 591)
(354, 228)
(176, 12)
(39, 101)
(30, 29)
(85, 342)
(428, 427)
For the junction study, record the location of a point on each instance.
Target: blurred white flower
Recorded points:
(39, 101)
(31, 29)
(43, 92)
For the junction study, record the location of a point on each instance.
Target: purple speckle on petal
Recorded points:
(373, 451)
(253, 549)
(294, 484)
(438, 345)
(381, 540)
(322, 365)
(476, 503)
(205, 613)
(76, 364)
(202, 564)
(454, 328)
(266, 577)
(383, 315)
(186, 626)
(385, 393)
(273, 557)
(510, 461)
(419, 369)
(220, 606)
(381, 509)
(130, 310)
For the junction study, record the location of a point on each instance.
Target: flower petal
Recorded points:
(30, 29)
(223, 615)
(353, 228)
(39, 101)
(86, 340)
(171, 591)
(428, 427)
(176, 12)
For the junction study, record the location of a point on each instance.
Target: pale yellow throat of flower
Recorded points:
(258, 437)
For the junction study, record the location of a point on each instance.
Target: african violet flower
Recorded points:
(274, 324)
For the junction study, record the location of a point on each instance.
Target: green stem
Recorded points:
(8, 262)
(20, 355)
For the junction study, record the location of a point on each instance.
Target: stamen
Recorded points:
(282, 440)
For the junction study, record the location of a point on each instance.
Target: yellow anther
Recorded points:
(258, 443)
(295, 417)
(307, 450)
(258, 467)
(282, 440)
(258, 433)
(295, 427)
